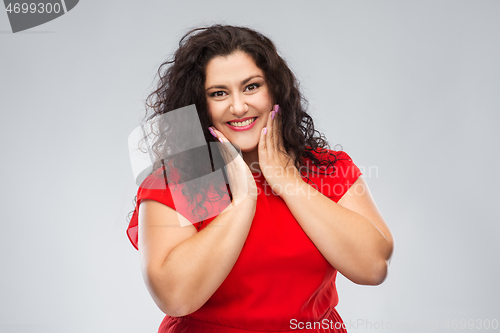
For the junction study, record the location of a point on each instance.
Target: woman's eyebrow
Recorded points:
(242, 82)
(251, 77)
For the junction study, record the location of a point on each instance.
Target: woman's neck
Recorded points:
(251, 158)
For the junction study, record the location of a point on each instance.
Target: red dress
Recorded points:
(280, 282)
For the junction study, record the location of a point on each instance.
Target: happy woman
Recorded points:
(298, 212)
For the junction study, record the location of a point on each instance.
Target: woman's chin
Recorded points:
(246, 148)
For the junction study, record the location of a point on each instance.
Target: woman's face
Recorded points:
(238, 99)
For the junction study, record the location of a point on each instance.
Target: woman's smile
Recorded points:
(243, 124)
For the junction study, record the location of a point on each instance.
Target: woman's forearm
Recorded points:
(350, 242)
(195, 268)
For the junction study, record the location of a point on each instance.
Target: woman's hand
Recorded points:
(351, 234)
(241, 181)
(275, 163)
(179, 286)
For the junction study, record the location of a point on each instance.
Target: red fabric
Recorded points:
(280, 276)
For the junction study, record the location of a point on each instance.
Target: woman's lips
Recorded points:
(243, 128)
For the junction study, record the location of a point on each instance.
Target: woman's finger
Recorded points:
(262, 140)
(216, 133)
(270, 132)
(276, 128)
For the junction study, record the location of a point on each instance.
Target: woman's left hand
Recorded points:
(276, 164)
(351, 234)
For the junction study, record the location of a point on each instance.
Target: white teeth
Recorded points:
(242, 123)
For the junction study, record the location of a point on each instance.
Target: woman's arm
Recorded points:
(351, 234)
(182, 268)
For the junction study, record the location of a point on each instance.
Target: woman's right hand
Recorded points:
(241, 181)
(179, 286)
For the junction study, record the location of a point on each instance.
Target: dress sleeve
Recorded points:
(155, 188)
(336, 184)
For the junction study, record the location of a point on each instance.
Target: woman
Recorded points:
(297, 213)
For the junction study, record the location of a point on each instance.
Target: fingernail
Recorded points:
(265, 130)
(212, 131)
(277, 108)
(273, 114)
(221, 140)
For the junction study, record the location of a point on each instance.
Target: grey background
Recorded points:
(410, 89)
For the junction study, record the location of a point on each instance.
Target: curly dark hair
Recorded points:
(182, 81)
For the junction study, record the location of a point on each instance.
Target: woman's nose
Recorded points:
(239, 107)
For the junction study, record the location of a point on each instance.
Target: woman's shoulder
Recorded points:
(335, 164)
(159, 178)
(329, 155)
(333, 173)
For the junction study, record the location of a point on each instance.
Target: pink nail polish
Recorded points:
(265, 130)
(276, 108)
(212, 131)
(221, 140)
(273, 114)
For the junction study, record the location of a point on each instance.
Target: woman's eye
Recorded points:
(252, 86)
(219, 93)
